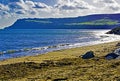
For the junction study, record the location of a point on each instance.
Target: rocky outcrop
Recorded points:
(115, 31)
(88, 55)
(111, 56)
(118, 44)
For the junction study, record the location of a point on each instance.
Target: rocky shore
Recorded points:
(116, 30)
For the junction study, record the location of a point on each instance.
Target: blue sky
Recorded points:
(11, 10)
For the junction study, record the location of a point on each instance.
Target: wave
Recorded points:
(103, 38)
(35, 49)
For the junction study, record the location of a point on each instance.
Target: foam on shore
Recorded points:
(103, 38)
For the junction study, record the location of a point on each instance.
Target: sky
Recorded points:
(11, 10)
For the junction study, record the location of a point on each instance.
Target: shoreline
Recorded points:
(64, 65)
(61, 54)
(104, 38)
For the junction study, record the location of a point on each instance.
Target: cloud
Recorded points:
(62, 8)
(57, 8)
(108, 5)
(105, 1)
(4, 11)
(70, 8)
(72, 4)
(25, 8)
(20, 12)
(40, 5)
(21, 9)
(38, 9)
(3, 7)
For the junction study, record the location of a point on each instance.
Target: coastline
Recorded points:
(99, 37)
(69, 66)
(61, 54)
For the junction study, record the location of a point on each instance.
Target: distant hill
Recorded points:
(99, 21)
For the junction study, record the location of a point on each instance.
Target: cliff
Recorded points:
(100, 21)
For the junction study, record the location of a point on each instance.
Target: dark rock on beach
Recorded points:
(118, 44)
(114, 55)
(88, 55)
(111, 56)
(115, 31)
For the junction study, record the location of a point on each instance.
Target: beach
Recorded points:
(59, 40)
(69, 65)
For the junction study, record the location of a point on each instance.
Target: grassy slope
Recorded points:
(39, 21)
(98, 22)
(65, 64)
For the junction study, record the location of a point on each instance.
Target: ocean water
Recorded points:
(25, 42)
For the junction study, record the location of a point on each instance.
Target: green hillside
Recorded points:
(97, 22)
(39, 21)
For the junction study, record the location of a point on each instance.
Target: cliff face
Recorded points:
(101, 21)
(115, 31)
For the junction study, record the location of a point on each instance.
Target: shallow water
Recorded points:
(23, 42)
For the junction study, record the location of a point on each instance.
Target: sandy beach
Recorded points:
(69, 65)
(59, 40)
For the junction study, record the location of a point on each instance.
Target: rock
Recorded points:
(115, 31)
(118, 44)
(114, 55)
(88, 55)
(118, 57)
(117, 51)
(111, 56)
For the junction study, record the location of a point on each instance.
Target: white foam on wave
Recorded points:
(103, 38)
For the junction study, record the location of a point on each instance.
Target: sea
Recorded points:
(16, 43)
